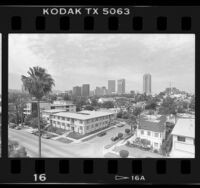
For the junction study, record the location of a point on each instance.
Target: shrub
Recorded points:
(120, 135)
(155, 151)
(127, 131)
(128, 143)
(123, 153)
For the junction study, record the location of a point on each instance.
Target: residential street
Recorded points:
(52, 148)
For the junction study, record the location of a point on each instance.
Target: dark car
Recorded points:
(114, 138)
(102, 134)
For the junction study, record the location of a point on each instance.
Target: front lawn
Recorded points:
(138, 153)
(64, 140)
(77, 136)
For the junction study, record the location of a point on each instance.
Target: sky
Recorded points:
(76, 59)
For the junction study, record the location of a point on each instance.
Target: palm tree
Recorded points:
(38, 83)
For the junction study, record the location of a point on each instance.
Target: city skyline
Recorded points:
(95, 59)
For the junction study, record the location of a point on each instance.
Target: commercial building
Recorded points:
(183, 138)
(76, 91)
(121, 86)
(85, 90)
(147, 84)
(111, 87)
(84, 121)
(152, 128)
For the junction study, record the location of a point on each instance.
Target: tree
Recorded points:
(124, 153)
(88, 107)
(168, 106)
(127, 131)
(108, 104)
(120, 135)
(38, 83)
(192, 103)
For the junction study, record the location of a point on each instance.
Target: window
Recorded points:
(149, 133)
(63, 118)
(181, 138)
(63, 124)
(81, 128)
(142, 132)
(155, 134)
(96, 125)
(155, 144)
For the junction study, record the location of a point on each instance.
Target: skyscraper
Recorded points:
(121, 86)
(76, 91)
(147, 84)
(86, 90)
(111, 87)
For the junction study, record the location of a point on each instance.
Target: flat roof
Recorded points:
(185, 127)
(54, 110)
(62, 104)
(84, 115)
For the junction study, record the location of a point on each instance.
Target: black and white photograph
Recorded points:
(101, 95)
(0, 90)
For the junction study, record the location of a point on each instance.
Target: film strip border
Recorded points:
(143, 20)
(99, 171)
(140, 20)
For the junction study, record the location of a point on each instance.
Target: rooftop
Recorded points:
(185, 127)
(54, 110)
(84, 115)
(155, 124)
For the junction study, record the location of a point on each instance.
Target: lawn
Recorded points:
(138, 153)
(64, 140)
(77, 136)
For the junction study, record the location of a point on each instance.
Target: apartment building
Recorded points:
(84, 121)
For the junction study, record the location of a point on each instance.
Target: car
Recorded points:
(18, 128)
(101, 134)
(121, 125)
(114, 138)
(47, 136)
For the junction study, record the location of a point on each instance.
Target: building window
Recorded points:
(96, 125)
(81, 128)
(155, 144)
(81, 121)
(181, 138)
(149, 133)
(142, 132)
(155, 134)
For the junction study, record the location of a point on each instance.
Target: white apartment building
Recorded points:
(152, 128)
(64, 105)
(46, 114)
(32, 106)
(84, 121)
(183, 138)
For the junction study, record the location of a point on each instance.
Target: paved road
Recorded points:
(53, 148)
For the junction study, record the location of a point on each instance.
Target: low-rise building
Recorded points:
(183, 137)
(64, 105)
(47, 114)
(31, 107)
(152, 128)
(84, 121)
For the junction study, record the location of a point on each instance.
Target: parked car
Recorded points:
(114, 138)
(101, 134)
(121, 125)
(12, 125)
(18, 128)
(47, 136)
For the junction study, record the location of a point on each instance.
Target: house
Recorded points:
(84, 121)
(183, 138)
(152, 128)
